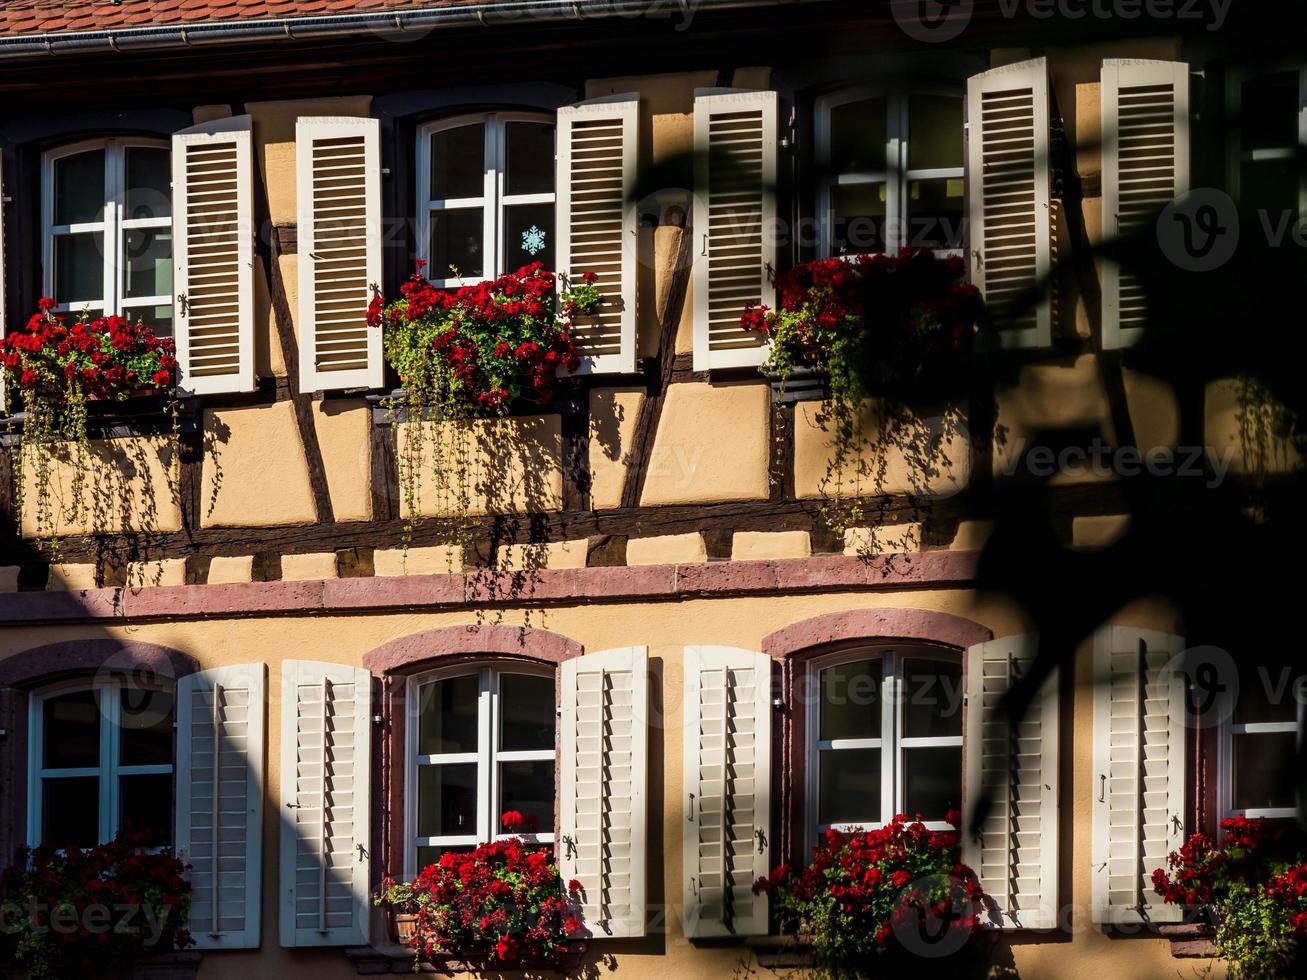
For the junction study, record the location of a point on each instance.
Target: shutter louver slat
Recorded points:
(338, 162)
(1015, 855)
(1145, 119)
(220, 801)
(602, 790)
(1009, 205)
(735, 145)
(597, 223)
(728, 785)
(1139, 770)
(326, 746)
(213, 244)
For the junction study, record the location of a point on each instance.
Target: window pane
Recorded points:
(79, 188)
(935, 213)
(448, 711)
(530, 158)
(157, 318)
(72, 731)
(932, 698)
(147, 262)
(430, 855)
(456, 241)
(857, 137)
(851, 700)
(932, 781)
(528, 235)
(147, 806)
(458, 162)
(1271, 186)
(1269, 112)
(526, 712)
(934, 132)
(149, 183)
(447, 800)
(70, 812)
(528, 788)
(1267, 693)
(1263, 764)
(147, 727)
(79, 269)
(858, 218)
(849, 790)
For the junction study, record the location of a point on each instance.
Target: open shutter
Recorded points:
(213, 246)
(604, 771)
(1009, 209)
(338, 181)
(325, 768)
(1139, 769)
(734, 223)
(597, 223)
(1145, 167)
(1015, 854)
(727, 770)
(220, 718)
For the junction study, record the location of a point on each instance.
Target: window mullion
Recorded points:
(896, 231)
(490, 216)
(113, 165)
(109, 705)
(485, 775)
(889, 753)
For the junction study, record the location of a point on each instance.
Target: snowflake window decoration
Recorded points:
(533, 240)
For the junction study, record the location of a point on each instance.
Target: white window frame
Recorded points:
(109, 703)
(493, 198)
(112, 225)
(897, 178)
(1226, 733)
(486, 757)
(1236, 155)
(891, 711)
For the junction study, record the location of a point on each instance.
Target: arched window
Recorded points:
(885, 737)
(889, 164)
(485, 195)
(107, 229)
(482, 740)
(101, 762)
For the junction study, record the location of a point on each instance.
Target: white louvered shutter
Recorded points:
(1145, 167)
(1016, 852)
(728, 790)
(338, 182)
(604, 772)
(213, 248)
(220, 721)
(597, 223)
(1010, 217)
(734, 223)
(1139, 770)
(325, 769)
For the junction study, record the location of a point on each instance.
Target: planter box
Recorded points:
(805, 384)
(383, 414)
(120, 420)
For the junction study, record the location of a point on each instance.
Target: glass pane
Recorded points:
(72, 731)
(458, 162)
(526, 712)
(530, 158)
(79, 269)
(147, 806)
(147, 262)
(528, 235)
(448, 715)
(149, 183)
(1269, 112)
(934, 132)
(147, 727)
(857, 137)
(447, 800)
(935, 213)
(849, 790)
(1263, 767)
(851, 701)
(858, 218)
(70, 812)
(430, 855)
(157, 318)
(932, 698)
(1271, 186)
(1267, 694)
(456, 241)
(79, 188)
(932, 781)
(528, 788)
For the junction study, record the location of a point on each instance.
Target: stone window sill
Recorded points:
(1190, 940)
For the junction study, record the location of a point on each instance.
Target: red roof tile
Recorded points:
(19, 17)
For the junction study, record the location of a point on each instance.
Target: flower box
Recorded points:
(806, 383)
